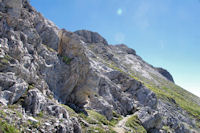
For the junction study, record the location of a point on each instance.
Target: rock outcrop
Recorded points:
(43, 69)
(166, 74)
(91, 37)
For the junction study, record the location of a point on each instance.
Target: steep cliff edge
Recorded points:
(54, 80)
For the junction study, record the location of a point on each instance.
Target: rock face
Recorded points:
(125, 49)
(91, 37)
(150, 119)
(166, 74)
(42, 67)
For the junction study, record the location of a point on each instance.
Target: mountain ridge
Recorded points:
(61, 81)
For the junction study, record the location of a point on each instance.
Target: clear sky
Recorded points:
(165, 33)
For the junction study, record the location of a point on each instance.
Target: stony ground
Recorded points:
(120, 127)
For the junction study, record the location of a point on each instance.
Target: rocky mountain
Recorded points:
(54, 80)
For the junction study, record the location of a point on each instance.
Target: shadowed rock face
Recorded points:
(42, 66)
(166, 74)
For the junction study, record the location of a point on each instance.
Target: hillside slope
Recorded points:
(54, 80)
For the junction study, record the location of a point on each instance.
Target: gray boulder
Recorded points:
(166, 74)
(34, 102)
(91, 37)
(149, 118)
(12, 88)
(124, 49)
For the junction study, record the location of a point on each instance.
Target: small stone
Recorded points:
(32, 119)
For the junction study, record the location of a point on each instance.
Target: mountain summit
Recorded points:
(54, 80)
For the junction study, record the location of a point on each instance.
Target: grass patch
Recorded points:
(70, 110)
(134, 123)
(2, 113)
(8, 57)
(180, 98)
(113, 66)
(94, 129)
(98, 123)
(116, 118)
(66, 60)
(7, 128)
(6, 60)
(89, 119)
(34, 124)
(102, 119)
(167, 129)
(31, 86)
(13, 106)
(41, 114)
(168, 91)
(198, 124)
(19, 114)
(95, 118)
(49, 48)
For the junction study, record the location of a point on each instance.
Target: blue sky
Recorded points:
(164, 33)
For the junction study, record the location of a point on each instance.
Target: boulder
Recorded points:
(166, 74)
(102, 106)
(149, 118)
(91, 37)
(124, 49)
(12, 88)
(34, 102)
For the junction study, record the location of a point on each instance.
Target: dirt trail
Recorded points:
(120, 126)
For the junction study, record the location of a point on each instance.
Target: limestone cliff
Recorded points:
(54, 80)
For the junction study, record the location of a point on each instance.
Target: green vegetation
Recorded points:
(179, 97)
(99, 122)
(66, 60)
(116, 118)
(198, 124)
(95, 118)
(135, 125)
(49, 48)
(7, 128)
(34, 124)
(8, 57)
(113, 66)
(19, 114)
(2, 113)
(50, 96)
(99, 130)
(5, 61)
(12, 107)
(95, 130)
(31, 86)
(167, 129)
(167, 91)
(70, 110)
(41, 114)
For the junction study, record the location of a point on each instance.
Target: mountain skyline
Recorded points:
(59, 79)
(164, 33)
